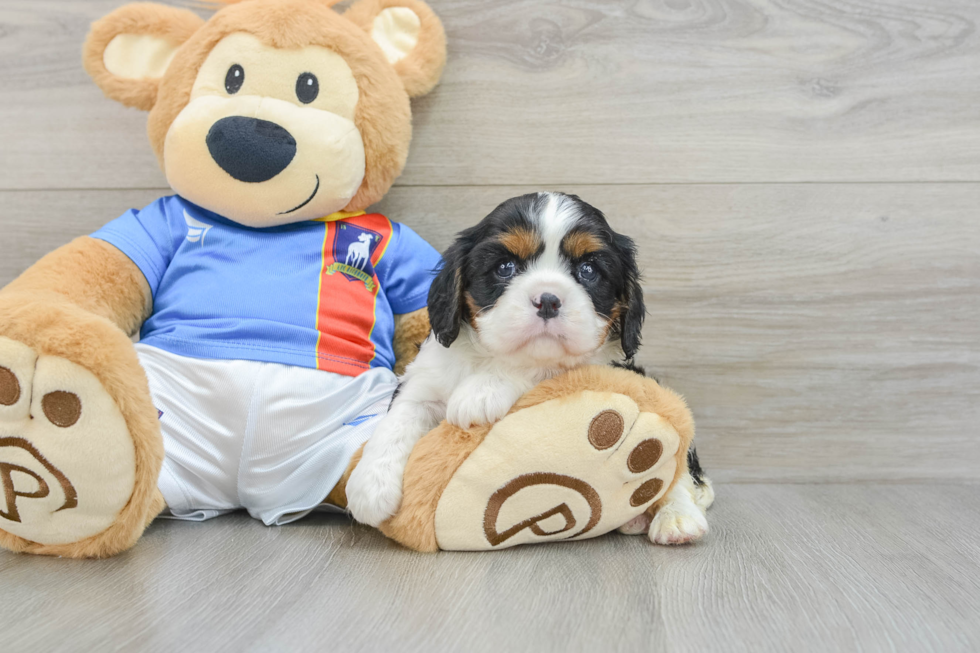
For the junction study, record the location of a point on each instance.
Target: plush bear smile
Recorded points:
(308, 199)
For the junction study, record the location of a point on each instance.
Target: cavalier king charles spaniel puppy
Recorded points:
(540, 286)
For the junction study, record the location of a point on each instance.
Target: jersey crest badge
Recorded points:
(353, 249)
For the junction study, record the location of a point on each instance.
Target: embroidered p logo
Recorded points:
(499, 497)
(28, 483)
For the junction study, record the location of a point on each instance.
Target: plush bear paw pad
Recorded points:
(67, 462)
(563, 469)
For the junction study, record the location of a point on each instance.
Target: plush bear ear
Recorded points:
(128, 51)
(410, 35)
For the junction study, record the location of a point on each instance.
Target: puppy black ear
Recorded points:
(634, 310)
(446, 294)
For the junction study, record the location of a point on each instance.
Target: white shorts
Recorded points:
(270, 438)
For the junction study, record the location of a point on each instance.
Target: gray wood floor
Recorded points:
(803, 180)
(786, 568)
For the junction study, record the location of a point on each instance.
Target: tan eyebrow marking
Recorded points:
(579, 243)
(474, 309)
(521, 242)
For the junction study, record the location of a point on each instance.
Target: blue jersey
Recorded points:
(320, 294)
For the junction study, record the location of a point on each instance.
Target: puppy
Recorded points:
(540, 286)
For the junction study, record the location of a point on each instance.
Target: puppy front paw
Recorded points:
(479, 401)
(374, 491)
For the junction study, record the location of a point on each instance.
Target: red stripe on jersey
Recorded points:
(348, 292)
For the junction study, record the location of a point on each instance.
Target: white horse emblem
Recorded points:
(358, 253)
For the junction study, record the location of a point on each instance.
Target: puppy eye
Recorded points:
(307, 88)
(587, 272)
(506, 270)
(234, 79)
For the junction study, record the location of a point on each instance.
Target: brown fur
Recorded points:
(648, 394)
(438, 455)
(579, 243)
(421, 69)
(612, 320)
(94, 276)
(411, 329)
(383, 114)
(338, 495)
(522, 243)
(217, 4)
(176, 25)
(472, 310)
(78, 303)
(433, 461)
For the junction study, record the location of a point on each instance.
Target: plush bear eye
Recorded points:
(587, 272)
(506, 270)
(307, 88)
(234, 79)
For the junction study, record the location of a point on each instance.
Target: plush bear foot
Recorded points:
(578, 457)
(585, 468)
(68, 465)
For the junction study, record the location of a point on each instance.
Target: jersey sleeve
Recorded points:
(407, 269)
(145, 237)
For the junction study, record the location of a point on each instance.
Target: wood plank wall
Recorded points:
(803, 180)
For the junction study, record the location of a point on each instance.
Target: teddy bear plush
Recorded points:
(274, 312)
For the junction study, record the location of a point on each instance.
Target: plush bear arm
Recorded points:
(64, 325)
(411, 329)
(92, 275)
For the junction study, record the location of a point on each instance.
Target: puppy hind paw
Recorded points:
(639, 525)
(678, 525)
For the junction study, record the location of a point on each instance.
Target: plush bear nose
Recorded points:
(250, 149)
(547, 306)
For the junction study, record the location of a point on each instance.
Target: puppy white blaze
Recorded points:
(512, 325)
(554, 223)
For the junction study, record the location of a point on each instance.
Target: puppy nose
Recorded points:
(547, 306)
(249, 149)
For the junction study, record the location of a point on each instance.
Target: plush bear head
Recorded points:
(273, 111)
